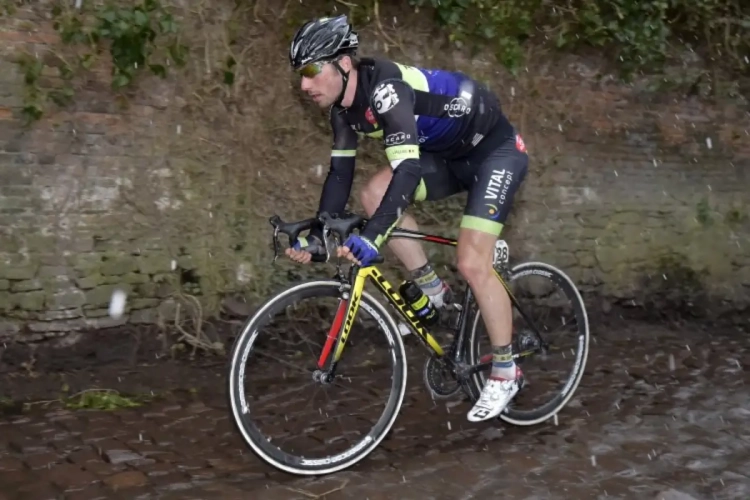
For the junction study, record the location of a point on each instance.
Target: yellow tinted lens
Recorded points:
(310, 70)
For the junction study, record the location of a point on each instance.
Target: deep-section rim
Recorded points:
(269, 453)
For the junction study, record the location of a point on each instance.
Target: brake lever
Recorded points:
(292, 230)
(326, 238)
(275, 243)
(332, 241)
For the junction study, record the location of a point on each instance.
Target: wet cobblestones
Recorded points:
(658, 409)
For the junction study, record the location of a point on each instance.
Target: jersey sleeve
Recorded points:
(393, 104)
(338, 182)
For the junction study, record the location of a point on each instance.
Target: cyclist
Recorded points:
(443, 133)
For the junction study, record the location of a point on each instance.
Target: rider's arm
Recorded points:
(393, 104)
(338, 183)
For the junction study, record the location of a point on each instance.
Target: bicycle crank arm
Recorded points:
(465, 371)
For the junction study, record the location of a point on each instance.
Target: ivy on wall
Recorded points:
(139, 37)
(640, 35)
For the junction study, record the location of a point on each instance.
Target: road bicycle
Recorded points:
(449, 369)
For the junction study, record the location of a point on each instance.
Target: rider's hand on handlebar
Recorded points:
(345, 252)
(358, 250)
(300, 256)
(303, 249)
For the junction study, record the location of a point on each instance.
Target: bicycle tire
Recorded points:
(242, 346)
(548, 410)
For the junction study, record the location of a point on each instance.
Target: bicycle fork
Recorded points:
(342, 326)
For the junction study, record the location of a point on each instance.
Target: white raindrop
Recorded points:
(117, 303)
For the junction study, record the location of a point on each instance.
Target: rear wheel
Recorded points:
(557, 306)
(380, 360)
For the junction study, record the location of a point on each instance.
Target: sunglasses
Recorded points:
(311, 70)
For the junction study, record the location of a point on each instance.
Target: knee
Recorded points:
(372, 192)
(474, 265)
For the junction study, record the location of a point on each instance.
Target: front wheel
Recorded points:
(552, 303)
(315, 441)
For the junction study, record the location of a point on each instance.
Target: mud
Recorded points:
(660, 407)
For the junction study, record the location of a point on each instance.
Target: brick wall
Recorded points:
(639, 189)
(638, 195)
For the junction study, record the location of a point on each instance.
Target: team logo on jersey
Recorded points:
(457, 108)
(496, 189)
(370, 117)
(493, 211)
(396, 139)
(384, 97)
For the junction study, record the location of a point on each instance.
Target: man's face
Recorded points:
(323, 87)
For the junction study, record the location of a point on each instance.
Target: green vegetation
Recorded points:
(104, 399)
(131, 33)
(703, 212)
(138, 37)
(640, 35)
(678, 287)
(89, 399)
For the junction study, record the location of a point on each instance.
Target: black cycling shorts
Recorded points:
(491, 181)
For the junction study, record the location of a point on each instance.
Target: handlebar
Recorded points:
(340, 226)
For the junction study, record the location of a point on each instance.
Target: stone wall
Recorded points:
(639, 195)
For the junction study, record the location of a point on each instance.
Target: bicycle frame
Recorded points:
(348, 308)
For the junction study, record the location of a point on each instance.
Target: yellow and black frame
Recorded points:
(353, 285)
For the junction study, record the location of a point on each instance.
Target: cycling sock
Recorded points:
(503, 366)
(427, 279)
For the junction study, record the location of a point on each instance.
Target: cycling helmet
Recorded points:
(323, 39)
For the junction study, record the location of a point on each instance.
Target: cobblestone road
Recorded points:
(657, 409)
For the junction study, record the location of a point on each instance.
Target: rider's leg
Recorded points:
(437, 183)
(474, 254)
(409, 252)
(488, 206)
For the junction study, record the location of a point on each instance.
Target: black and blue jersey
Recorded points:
(411, 110)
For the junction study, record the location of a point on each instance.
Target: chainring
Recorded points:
(439, 380)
